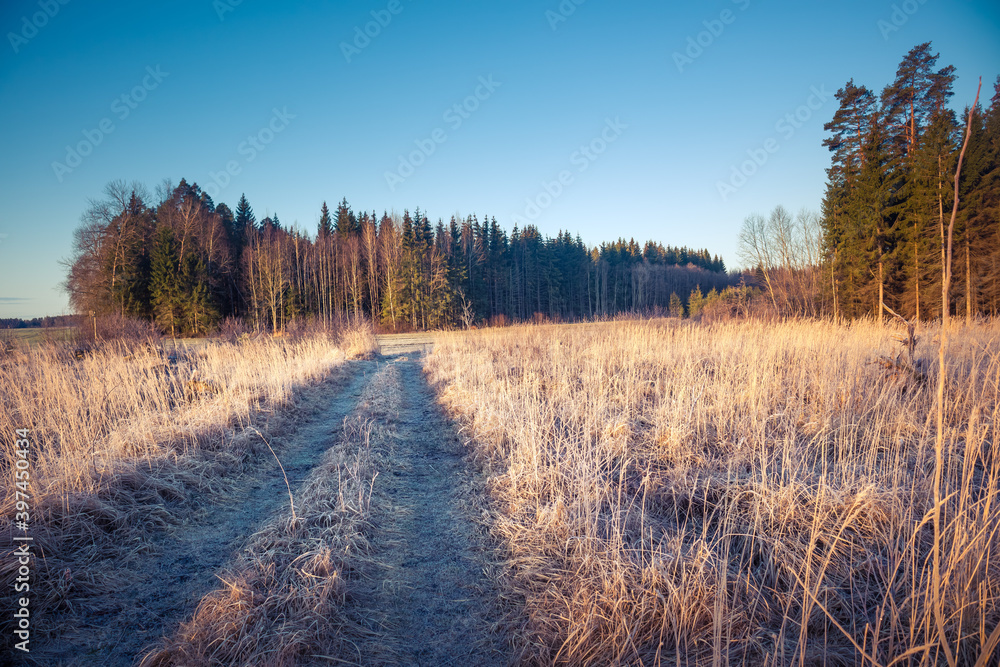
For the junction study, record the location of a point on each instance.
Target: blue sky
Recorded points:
(201, 77)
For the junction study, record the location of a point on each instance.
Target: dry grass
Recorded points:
(735, 494)
(358, 342)
(284, 597)
(37, 336)
(123, 438)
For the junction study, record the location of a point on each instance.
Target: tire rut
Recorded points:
(168, 582)
(433, 601)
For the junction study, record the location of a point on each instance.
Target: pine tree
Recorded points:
(911, 98)
(933, 163)
(851, 130)
(911, 103)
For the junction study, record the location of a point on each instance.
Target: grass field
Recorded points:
(636, 493)
(34, 336)
(734, 494)
(38, 335)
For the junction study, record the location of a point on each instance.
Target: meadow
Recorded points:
(36, 335)
(632, 492)
(735, 493)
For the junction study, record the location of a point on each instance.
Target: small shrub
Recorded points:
(126, 331)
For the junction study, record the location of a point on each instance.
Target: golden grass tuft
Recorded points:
(358, 342)
(743, 493)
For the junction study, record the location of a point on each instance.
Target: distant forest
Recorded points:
(876, 247)
(186, 264)
(39, 322)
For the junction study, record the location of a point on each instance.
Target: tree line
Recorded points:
(185, 263)
(47, 322)
(890, 191)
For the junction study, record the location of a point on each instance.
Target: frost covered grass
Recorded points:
(743, 493)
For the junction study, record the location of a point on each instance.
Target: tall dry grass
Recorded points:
(122, 436)
(742, 493)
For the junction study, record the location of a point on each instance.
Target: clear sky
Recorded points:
(183, 86)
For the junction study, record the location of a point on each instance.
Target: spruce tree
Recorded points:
(244, 225)
(134, 229)
(989, 265)
(244, 222)
(976, 228)
(200, 314)
(676, 305)
(325, 228)
(875, 220)
(695, 301)
(346, 224)
(167, 296)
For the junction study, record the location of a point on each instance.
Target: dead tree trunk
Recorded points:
(939, 612)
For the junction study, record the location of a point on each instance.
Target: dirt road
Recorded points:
(434, 602)
(396, 344)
